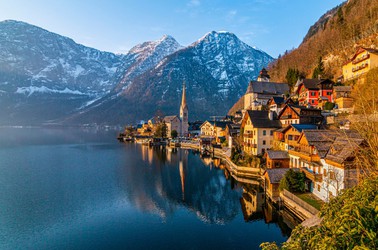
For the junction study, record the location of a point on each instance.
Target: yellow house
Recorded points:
(214, 129)
(362, 61)
(257, 129)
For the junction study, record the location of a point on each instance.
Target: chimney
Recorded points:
(270, 115)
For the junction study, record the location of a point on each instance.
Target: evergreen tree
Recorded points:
(319, 70)
(292, 76)
(174, 133)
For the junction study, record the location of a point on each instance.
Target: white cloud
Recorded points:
(194, 3)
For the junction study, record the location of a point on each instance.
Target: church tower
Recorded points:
(184, 114)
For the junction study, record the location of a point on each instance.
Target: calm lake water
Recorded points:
(82, 189)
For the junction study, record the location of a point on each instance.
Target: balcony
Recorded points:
(305, 155)
(364, 57)
(311, 175)
(248, 135)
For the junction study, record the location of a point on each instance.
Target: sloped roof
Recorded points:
(311, 83)
(344, 146)
(170, 118)
(278, 100)
(298, 109)
(268, 88)
(342, 88)
(320, 139)
(260, 119)
(219, 124)
(277, 154)
(300, 127)
(276, 174)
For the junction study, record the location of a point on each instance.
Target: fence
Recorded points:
(300, 202)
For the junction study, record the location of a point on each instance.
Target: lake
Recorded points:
(82, 189)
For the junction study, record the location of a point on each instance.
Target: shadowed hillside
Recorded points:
(334, 37)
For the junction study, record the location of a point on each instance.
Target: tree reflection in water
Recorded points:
(164, 179)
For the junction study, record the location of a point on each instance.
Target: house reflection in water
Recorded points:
(163, 181)
(255, 207)
(252, 202)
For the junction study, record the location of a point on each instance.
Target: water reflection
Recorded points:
(169, 178)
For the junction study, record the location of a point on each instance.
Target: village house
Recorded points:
(144, 129)
(286, 138)
(342, 98)
(259, 92)
(215, 129)
(312, 146)
(257, 129)
(173, 122)
(294, 114)
(232, 131)
(339, 169)
(272, 178)
(310, 90)
(361, 62)
(277, 159)
(277, 103)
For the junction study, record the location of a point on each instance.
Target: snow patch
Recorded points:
(34, 89)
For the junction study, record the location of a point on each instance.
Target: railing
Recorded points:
(304, 155)
(364, 57)
(311, 175)
(248, 135)
(300, 202)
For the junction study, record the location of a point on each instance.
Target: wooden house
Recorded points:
(272, 178)
(257, 129)
(294, 114)
(277, 159)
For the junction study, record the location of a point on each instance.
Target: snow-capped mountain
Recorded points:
(143, 57)
(216, 69)
(45, 77)
(49, 62)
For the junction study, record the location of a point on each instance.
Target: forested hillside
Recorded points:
(334, 38)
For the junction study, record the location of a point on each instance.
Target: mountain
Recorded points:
(334, 37)
(48, 78)
(45, 76)
(143, 57)
(216, 70)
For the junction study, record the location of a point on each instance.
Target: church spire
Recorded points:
(184, 113)
(183, 100)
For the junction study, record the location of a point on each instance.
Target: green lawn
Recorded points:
(311, 199)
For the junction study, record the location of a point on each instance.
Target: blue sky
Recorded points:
(117, 25)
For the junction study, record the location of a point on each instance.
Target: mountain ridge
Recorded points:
(48, 78)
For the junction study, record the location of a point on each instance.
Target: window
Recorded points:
(332, 175)
(312, 101)
(312, 93)
(264, 142)
(324, 172)
(271, 132)
(264, 132)
(318, 186)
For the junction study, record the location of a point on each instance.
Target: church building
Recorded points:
(180, 124)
